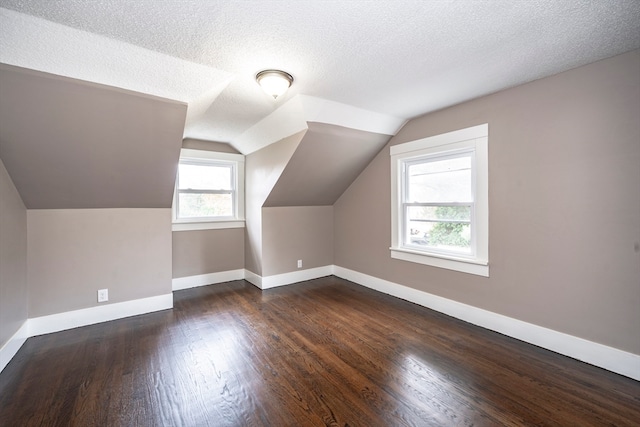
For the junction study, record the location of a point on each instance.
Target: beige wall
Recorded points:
(199, 252)
(325, 163)
(199, 144)
(71, 144)
(73, 253)
(262, 170)
(293, 233)
(207, 251)
(13, 258)
(564, 200)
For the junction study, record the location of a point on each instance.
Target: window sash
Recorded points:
(432, 249)
(213, 164)
(232, 191)
(405, 241)
(433, 158)
(406, 207)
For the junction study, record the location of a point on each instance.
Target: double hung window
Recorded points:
(209, 189)
(440, 201)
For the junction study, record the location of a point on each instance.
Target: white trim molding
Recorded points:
(253, 278)
(609, 358)
(296, 276)
(74, 319)
(11, 347)
(180, 283)
(212, 158)
(287, 278)
(471, 143)
(98, 314)
(211, 225)
(612, 359)
(462, 265)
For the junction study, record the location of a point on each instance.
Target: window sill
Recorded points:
(476, 267)
(208, 225)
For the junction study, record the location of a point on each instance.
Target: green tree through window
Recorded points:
(451, 233)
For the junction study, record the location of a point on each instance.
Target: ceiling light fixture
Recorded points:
(274, 82)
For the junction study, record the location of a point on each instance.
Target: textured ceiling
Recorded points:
(399, 58)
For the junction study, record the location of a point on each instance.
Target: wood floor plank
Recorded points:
(325, 352)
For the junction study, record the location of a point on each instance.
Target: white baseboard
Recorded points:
(74, 319)
(253, 278)
(102, 313)
(296, 276)
(287, 278)
(11, 347)
(206, 279)
(612, 359)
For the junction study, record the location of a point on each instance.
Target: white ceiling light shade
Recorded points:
(274, 82)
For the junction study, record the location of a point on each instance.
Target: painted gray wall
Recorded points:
(73, 144)
(326, 162)
(291, 185)
(199, 144)
(262, 170)
(197, 252)
(74, 252)
(293, 233)
(207, 251)
(13, 258)
(564, 200)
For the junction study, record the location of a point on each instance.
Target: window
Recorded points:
(209, 191)
(440, 201)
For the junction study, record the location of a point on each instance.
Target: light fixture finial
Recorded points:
(274, 82)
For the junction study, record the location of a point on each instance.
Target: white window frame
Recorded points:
(474, 139)
(236, 161)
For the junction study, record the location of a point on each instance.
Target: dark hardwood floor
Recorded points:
(323, 352)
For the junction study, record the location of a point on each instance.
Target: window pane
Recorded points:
(204, 205)
(440, 213)
(445, 228)
(204, 177)
(445, 180)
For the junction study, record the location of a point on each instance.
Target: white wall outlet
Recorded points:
(299, 263)
(103, 295)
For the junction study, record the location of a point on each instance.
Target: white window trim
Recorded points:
(474, 137)
(190, 224)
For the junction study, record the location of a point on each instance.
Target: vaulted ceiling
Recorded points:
(401, 58)
(93, 78)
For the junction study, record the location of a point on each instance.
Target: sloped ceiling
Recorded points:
(73, 144)
(325, 163)
(89, 135)
(41, 45)
(401, 58)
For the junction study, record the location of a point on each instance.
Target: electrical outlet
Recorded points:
(299, 263)
(103, 295)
